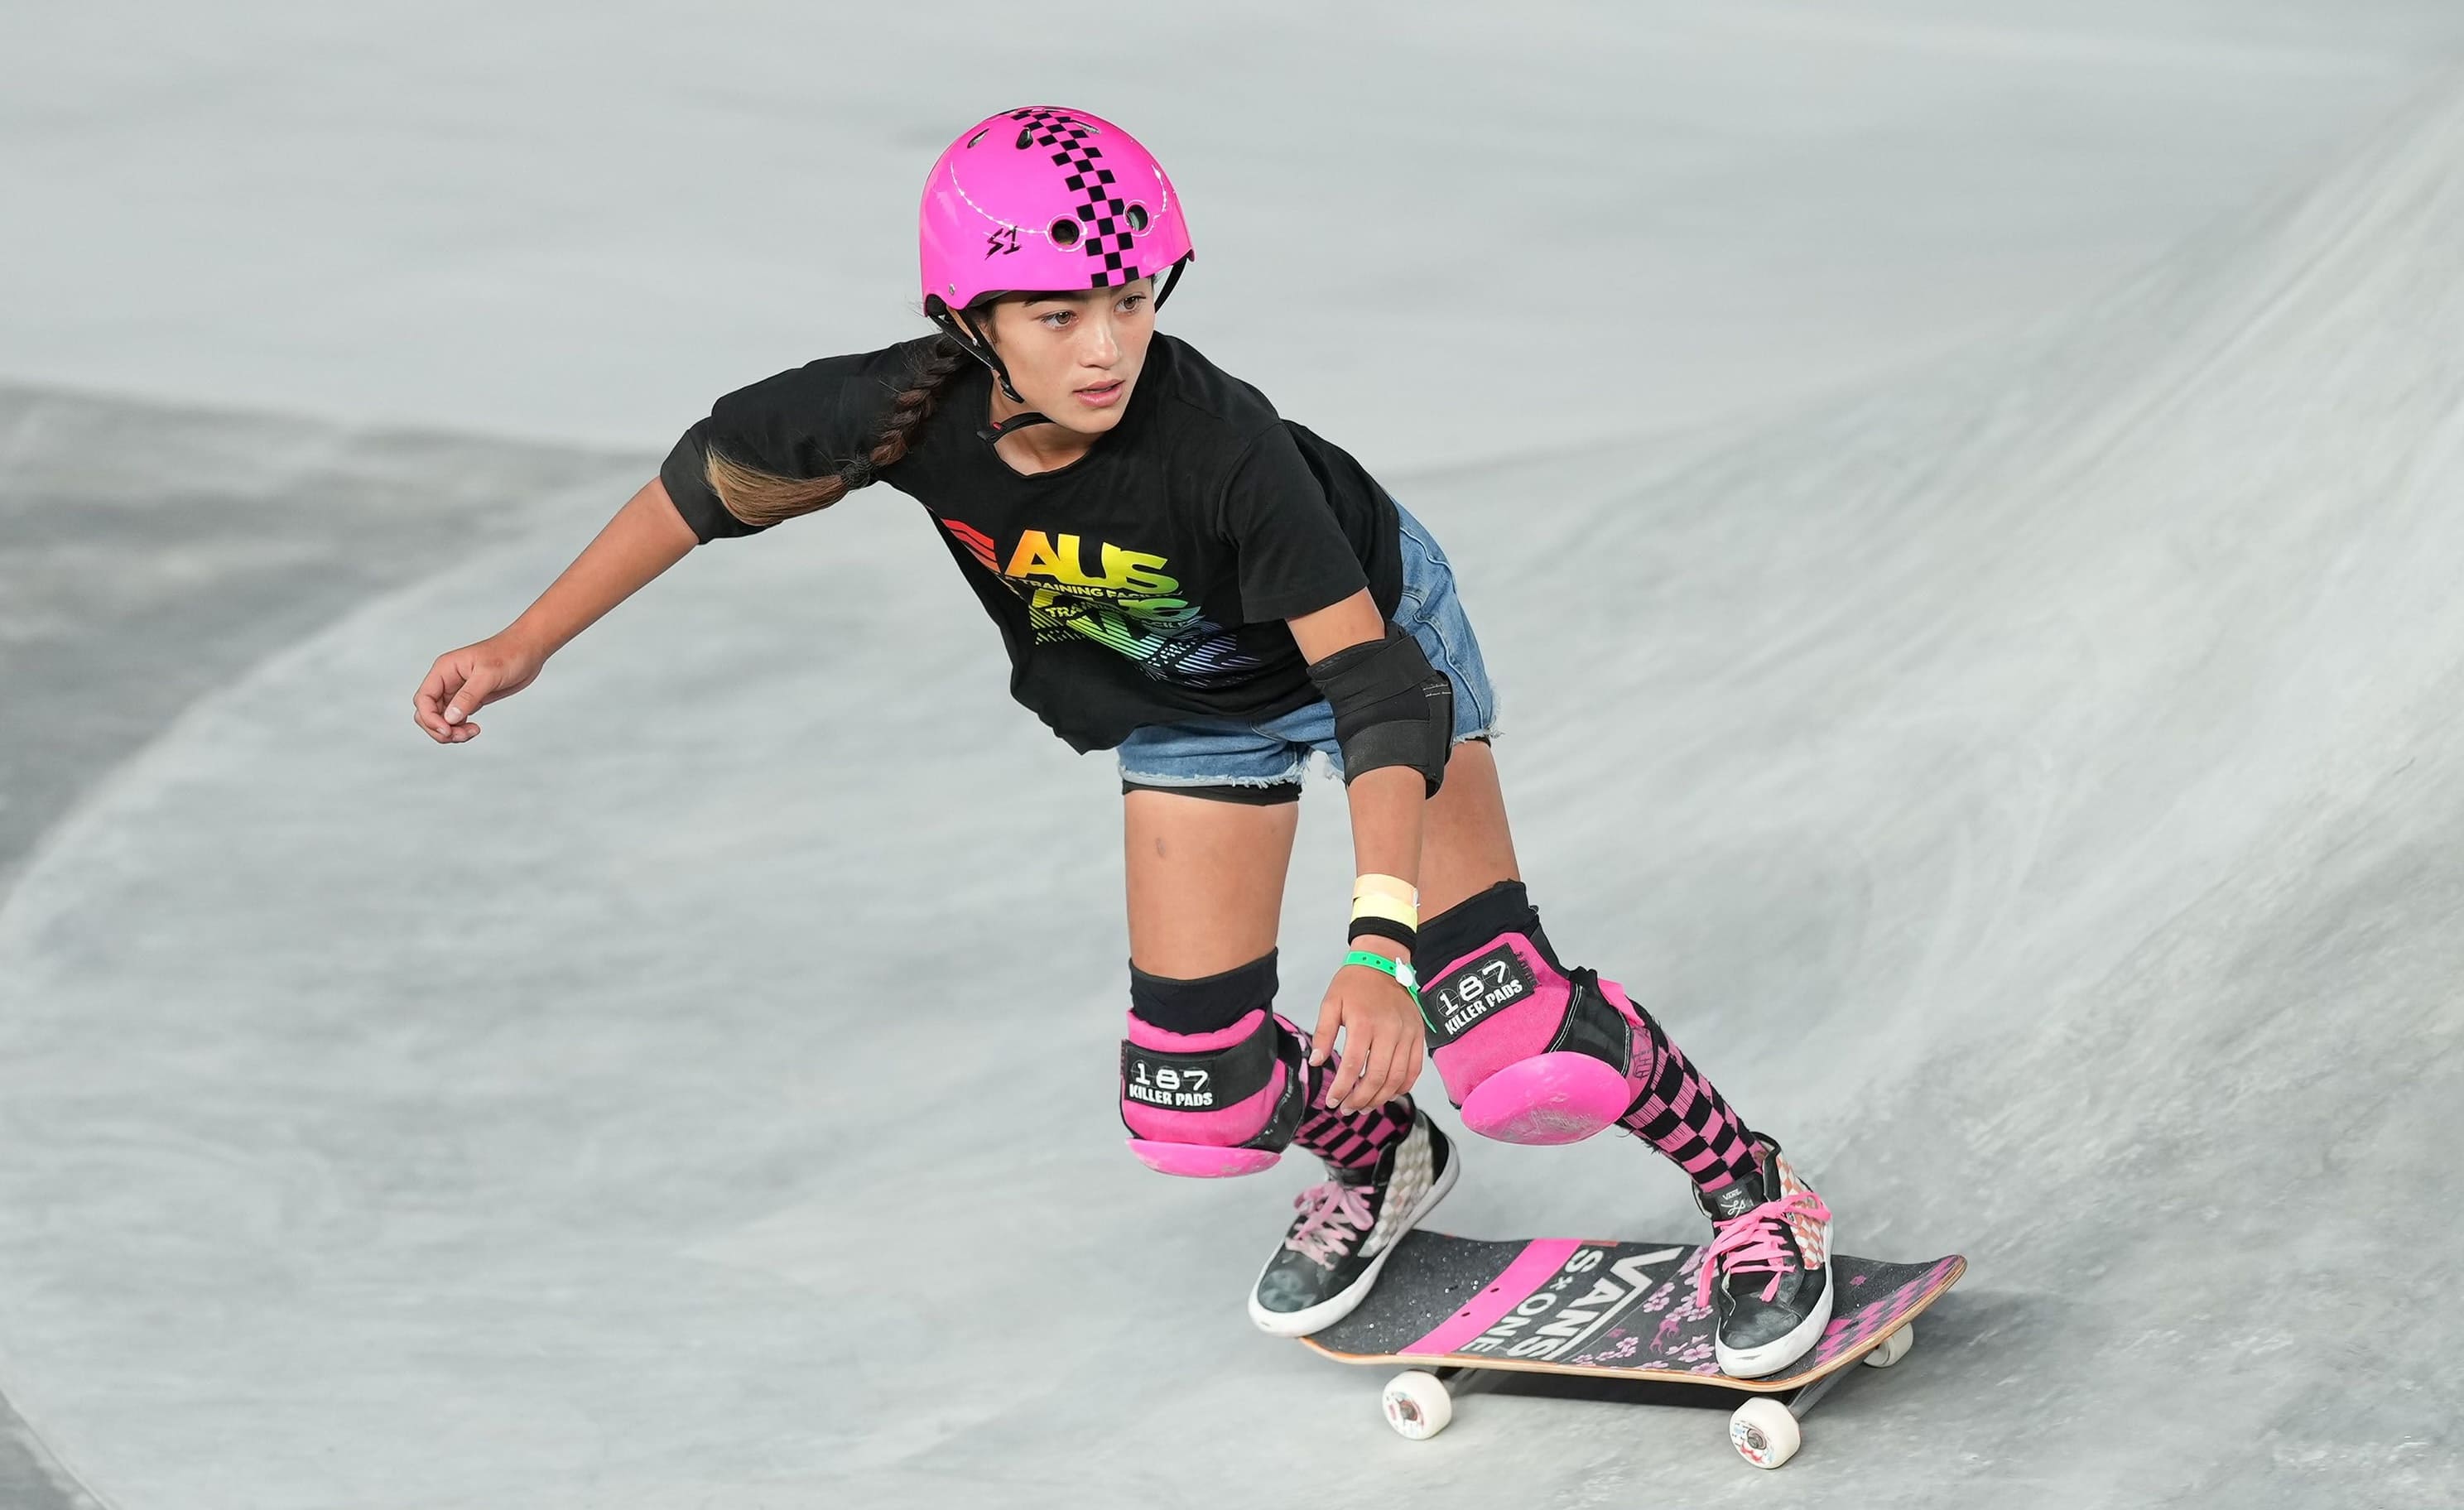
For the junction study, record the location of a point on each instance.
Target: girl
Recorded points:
(1214, 591)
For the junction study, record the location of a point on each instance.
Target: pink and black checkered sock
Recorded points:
(1684, 1116)
(1352, 1140)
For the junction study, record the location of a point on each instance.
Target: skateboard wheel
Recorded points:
(1418, 1404)
(1764, 1433)
(1894, 1347)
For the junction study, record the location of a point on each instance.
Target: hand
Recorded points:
(464, 681)
(1382, 1037)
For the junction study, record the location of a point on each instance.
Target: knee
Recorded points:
(1531, 1051)
(1211, 1077)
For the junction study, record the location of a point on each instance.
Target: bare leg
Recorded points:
(1465, 846)
(1205, 880)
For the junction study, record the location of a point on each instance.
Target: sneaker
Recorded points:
(1767, 1273)
(1348, 1224)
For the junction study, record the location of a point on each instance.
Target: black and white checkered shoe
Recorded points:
(1767, 1271)
(1347, 1226)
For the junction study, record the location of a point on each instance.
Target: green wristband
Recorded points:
(1400, 969)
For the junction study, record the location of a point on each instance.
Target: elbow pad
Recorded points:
(1391, 706)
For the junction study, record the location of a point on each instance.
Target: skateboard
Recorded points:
(1603, 1318)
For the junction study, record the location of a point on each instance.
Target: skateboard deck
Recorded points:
(1606, 1309)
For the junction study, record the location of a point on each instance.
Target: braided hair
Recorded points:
(762, 498)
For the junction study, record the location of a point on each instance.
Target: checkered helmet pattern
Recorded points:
(1106, 232)
(1046, 199)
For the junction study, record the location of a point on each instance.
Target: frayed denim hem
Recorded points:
(1147, 778)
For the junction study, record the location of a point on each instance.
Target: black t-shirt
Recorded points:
(1145, 582)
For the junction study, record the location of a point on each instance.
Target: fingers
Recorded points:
(461, 734)
(443, 706)
(1398, 1067)
(1365, 1051)
(1381, 1058)
(1383, 1043)
(1343, 1089)
(476, 691)
(427, 703)
(1330, 1017)
(1409, 1055)
(1378, 1085)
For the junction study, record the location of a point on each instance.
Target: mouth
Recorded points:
(1102, 395)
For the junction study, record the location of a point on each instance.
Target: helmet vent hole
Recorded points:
(1063, 232)
(1137, 216)
(1026, 138)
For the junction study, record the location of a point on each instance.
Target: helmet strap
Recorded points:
(973, 344)
(1173, 276)
(998, 428)
(976, 347)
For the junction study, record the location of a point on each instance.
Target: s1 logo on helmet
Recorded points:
(1003, 240)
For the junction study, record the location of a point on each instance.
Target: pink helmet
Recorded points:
(1042, 200)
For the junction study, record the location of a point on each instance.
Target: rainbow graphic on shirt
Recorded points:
(1129, 605)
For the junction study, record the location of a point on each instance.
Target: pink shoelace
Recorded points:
(1757, 1242)
(1326, 1209)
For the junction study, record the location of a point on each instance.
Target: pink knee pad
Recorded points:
(1213, 1103)
(1532, 1054)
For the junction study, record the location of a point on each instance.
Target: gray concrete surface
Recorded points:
(567, 222)
(151, 554)
(2029, 782)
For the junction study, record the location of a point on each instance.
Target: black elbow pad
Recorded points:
(1391, 706)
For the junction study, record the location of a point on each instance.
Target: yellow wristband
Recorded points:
(1372, 904)
(1396, 886)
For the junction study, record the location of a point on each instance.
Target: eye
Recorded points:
(1130, 305)
(1060, 316)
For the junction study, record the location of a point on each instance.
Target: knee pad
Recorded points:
(1532, 1052)
(1214, 1103)
(1218, 1102)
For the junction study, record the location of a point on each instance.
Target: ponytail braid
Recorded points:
(762, 498)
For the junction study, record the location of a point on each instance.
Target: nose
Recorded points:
(1099, 343)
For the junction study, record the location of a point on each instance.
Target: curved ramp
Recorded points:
(2036, 793)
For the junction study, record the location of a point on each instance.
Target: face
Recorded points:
(1074, 357)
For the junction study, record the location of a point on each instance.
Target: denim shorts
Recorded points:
(1264, 762)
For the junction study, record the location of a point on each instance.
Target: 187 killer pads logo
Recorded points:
(1173, 1085)
(1471, 992)
(1207, 1081)
(1555, 1319)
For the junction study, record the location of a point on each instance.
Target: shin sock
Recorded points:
(1683, 1117)
(1353, 1141)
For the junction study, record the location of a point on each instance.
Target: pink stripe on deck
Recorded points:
(1530, 1270)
